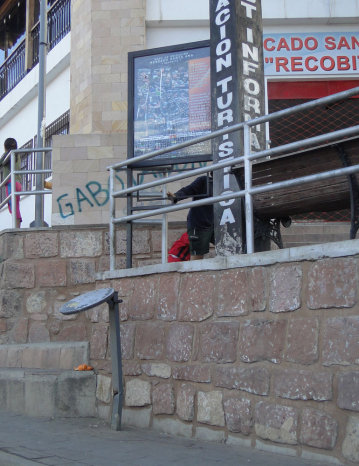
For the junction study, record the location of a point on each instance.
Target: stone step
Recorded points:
(48, 393)
(50, 355)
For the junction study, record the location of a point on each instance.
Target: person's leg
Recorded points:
(18, 214)
(198, 243)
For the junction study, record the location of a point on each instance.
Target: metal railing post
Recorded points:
(13, 190)
(112, 232)
(39, 200)
(246, 159)
(247, 188)
(164, 225)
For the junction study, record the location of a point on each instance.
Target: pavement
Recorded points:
(28, 441)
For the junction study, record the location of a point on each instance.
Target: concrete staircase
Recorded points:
(307, 233)
(38, 380)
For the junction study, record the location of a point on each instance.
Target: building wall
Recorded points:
(102, 34)
(258, 350)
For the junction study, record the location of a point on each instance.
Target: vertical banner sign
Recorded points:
(238, 94)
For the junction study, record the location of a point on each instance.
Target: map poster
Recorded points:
(171, 103)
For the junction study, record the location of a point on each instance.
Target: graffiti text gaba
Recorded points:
(95, 195)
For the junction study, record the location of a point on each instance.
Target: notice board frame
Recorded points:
(168, 56)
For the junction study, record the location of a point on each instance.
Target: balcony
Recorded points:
(14, 69)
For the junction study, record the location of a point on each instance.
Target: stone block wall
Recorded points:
(261, 356)
(259, 350)
(42, 269)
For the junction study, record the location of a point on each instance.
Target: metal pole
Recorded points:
(129, 229)
(41, 125)
(13, 189)
(116, 358)
(112, 232)
(164, 224)
(248, 187)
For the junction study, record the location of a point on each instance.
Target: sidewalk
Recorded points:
(28, 441)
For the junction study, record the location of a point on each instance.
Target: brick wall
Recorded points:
(259, 351)
(102, 33)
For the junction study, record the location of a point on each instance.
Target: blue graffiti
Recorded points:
(94, 194)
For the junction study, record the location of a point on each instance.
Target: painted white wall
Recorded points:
(158, 12)
(18, 117)
(18, 110)
(170, 23)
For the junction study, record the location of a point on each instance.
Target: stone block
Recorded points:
(104, 412)
(76, 394)
(156, 370)
(82, 271)
(276, 423)
(19, 275)
(124, 287)
(209, 435)
(241, 291)
(348, 390)
(196, 297)
(51, 273)
(192, 373)
(138, 392)
(38, 332)
(20, 330)
(41, 244)
(185, 401)
(98, 341)
(131, 368)
(179, 342)
(12, 246)
(172, 427)
(249, 379)
(341, 341)
(318, 429)
(103, 389)
(139, 417)
(142, 301)
(127, 332)
(332, 283)
(238, 414)
(218, 342)
(10, 303)
(36, 302)
(163, 401)
(303, 385)
(72, 354)
(80, 243)
(210, 408)
(15, 396)
(140, 242)
(302, 341)
(39, 395)
(275, 448)
(262, 340)
(3, 355)
(284, 288)
(14, 356)
(149, 341)
(3, 325)
(168, 287)
(73, 332)
(350, 446)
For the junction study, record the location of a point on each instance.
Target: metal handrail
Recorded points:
(12, 196)
(245, 159)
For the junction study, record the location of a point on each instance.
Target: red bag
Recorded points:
(179, 250)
